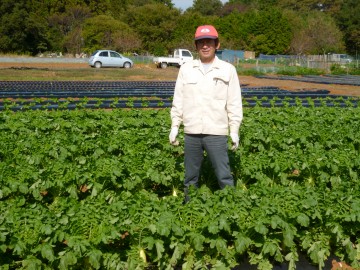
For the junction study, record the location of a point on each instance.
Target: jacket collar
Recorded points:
(215, 64)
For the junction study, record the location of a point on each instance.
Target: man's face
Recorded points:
(206, 48)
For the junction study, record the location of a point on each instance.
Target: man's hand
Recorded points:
(235, 141)
(172, 136)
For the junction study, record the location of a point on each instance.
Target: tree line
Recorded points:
(157, 26)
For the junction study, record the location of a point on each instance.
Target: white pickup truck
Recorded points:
(180, 57)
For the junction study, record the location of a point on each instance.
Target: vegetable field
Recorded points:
(102, 189)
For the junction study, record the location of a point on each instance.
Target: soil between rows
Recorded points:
(171, 74)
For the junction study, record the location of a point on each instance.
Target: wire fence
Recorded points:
(273, 63)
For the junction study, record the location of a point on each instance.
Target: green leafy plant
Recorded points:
(100, 189)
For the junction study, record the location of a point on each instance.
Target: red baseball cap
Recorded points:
(206, 31)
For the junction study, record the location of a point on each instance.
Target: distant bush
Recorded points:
(355, 71)
(292, 71)
(254, 61)
(350, 69)
(249, 72)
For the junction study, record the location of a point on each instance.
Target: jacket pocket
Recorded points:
(190, 84)
(220, 89)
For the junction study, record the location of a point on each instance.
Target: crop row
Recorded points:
(93, 189)
(110, 89)
(155, 102)
(327, 79)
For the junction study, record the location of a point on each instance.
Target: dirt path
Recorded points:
(295, 85)
(171, 74)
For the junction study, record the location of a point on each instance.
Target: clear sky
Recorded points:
(185, 4)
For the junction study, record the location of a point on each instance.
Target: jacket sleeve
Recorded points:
(234, 102)
(176, 112)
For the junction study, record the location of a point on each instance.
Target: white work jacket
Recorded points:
(207, 102)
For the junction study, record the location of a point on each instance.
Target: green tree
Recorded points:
(229, 8)
(138, 3)
(264, 26)
(296, 5)
(207, 7)
(317, 34)
(21, 29)
(349, 23)
(255, 4)
(67, 28)
(327, 6)
(104, 32)
(155, 24)
(266, 31)
(300, 42)
(118, 8)
(233, 30)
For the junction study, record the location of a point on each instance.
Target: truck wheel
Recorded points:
(164, 65)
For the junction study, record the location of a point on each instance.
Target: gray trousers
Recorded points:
(217, 149)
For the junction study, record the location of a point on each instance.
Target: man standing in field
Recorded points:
(207, 100)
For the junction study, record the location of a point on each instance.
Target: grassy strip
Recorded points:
(82, 72)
